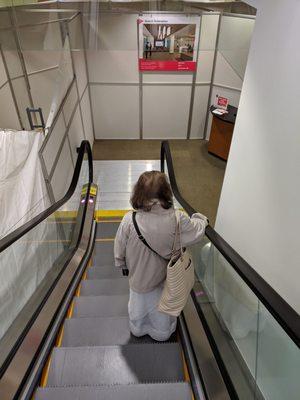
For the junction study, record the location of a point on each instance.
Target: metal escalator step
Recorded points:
(101, 306)
(106, 365)
(150, 391)
(104, 272)
(98, 287)
(107, 230)
(99, 332)
(103, 253)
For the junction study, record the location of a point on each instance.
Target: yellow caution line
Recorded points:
(110, 213)
(105, 240)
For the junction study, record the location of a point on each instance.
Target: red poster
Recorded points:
(221, 102)
(168, 43)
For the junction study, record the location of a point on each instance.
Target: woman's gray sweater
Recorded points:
(146, 269)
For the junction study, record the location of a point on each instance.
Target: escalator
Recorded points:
(96, 356)
(71, 340)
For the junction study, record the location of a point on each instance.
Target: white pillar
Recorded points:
(259, 212)
(172, 44)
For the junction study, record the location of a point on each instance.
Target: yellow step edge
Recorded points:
(186, 373)
(77, 293)
(45, 373)
(110, 213)
(60, 336)
(70, 310)
(46, 369)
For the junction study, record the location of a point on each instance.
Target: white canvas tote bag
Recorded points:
(180, 279)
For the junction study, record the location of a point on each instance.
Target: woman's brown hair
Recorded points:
(151, 185)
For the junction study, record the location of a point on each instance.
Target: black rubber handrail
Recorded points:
(283, 313)
(85, 147)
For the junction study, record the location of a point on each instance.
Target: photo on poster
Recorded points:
(168, 43)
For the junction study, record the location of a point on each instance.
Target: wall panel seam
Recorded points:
(87, 73)
(83, 93)
(63, 141)
(4, 84)
(43, 70)
(227, 87)
(57, 115)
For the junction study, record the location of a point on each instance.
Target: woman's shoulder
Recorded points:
(127, 217)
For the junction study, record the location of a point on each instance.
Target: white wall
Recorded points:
(115, 91)
(259, 213)
(114, 77)
(233, 48)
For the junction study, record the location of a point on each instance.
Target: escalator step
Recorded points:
(101, 306)
(99, 332)
(98, 287)
(103, 253)
(103, 272)
(107, 230)
(106, 365)
(150, 391)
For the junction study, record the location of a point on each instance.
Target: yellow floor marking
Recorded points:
(105, 240)
(70, 310)
(45, 373)
(60, 336)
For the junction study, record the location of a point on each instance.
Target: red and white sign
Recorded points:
(221, 102)
(168, 42)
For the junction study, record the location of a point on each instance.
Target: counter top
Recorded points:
(229, 117)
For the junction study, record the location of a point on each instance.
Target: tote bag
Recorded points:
(179, 281)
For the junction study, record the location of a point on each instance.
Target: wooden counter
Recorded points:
(221, 132)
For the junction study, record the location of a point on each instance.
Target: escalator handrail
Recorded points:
(283, 313)
(12, 237)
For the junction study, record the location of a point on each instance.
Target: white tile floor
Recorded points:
(115, 180)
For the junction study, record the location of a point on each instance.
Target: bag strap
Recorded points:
(141, 237)
(177, 236)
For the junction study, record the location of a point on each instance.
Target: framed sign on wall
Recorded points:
(168, 42)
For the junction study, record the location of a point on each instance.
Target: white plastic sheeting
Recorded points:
(22, 186)
(22, 195)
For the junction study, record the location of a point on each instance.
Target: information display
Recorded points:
(168, 42)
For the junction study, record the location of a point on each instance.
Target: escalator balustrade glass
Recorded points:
(260, 358)
(30, 266)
